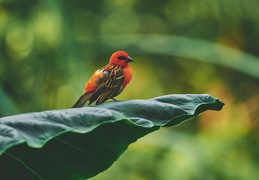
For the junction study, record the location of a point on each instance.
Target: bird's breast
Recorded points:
(127, 72)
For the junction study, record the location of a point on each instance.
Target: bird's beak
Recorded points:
(129, 59)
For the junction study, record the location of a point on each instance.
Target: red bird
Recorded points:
(107, 82)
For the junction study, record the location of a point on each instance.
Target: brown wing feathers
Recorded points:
(109, 87)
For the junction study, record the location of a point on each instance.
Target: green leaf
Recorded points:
(80, 143)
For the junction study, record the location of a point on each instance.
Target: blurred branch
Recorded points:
(189, 48)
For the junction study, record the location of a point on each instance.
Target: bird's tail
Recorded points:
(82, 100)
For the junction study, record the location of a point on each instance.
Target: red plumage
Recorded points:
(107, 82)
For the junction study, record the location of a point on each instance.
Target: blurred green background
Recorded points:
(49, 49)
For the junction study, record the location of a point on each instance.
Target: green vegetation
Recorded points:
(86, 141)
(49, 49)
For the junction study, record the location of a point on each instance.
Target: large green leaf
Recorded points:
(80, 143)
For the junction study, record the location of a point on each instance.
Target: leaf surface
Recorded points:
(80, 143)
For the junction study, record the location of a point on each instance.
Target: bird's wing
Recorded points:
(110, 84)
(104, 84)
(91, 86)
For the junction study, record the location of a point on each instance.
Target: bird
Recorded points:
(108, 81)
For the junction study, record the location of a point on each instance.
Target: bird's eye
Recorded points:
(122, 58)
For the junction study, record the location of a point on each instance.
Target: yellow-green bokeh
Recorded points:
(49, 49)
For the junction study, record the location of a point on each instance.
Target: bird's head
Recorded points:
(120, 58)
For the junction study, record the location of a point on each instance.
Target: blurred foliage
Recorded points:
(49, 49)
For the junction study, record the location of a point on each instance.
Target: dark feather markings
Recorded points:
(111, 85)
